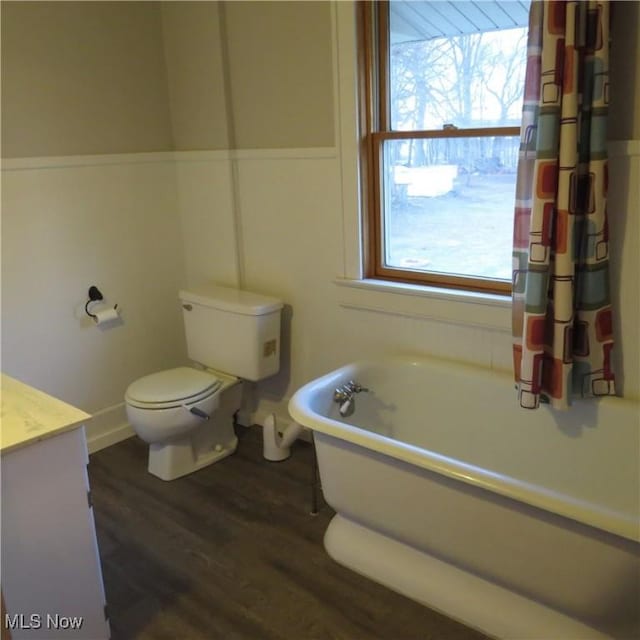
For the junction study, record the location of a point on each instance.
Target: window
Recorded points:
(441, 88)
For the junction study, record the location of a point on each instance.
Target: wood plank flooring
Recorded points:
(232, 552)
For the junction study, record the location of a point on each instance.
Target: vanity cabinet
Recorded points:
(51, 575)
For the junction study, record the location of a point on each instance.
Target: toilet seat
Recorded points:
(172, 388)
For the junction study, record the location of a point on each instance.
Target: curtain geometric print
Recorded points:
(562, 320)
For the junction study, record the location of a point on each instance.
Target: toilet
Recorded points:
(186, 414)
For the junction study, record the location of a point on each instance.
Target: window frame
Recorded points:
(374, 124)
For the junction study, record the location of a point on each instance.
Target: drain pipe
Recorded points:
(277, 446)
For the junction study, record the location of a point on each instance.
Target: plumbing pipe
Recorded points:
(275, 446)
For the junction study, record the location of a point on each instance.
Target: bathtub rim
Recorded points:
(590, 514)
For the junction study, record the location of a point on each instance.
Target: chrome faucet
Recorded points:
(344, 396)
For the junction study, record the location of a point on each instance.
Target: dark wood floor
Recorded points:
(232, 552)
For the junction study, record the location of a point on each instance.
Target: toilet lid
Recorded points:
(179, 385)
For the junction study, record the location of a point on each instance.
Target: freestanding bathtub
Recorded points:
(522, 524)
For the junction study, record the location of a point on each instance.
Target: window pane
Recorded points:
(452, 211)
(445, 69)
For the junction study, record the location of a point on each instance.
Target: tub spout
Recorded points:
(344, 396)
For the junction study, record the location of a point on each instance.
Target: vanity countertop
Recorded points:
(29, 415)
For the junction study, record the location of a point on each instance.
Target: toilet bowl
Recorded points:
(171, 403)
(186, 414)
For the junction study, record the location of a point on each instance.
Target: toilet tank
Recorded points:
(234, 331)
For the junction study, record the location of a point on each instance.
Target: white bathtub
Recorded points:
(523, 524)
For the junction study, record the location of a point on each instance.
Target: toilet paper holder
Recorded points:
(95, 295)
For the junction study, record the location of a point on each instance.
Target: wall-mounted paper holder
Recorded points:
(95, 295)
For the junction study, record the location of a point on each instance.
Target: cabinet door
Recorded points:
(51, 575)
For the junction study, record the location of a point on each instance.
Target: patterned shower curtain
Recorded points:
(562, 320)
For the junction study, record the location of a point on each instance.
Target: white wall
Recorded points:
(206, 196)
(68, 223)
(624, 224)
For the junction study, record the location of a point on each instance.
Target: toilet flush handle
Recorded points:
(197, 412)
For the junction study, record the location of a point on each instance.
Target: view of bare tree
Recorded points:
(470, 80)
(449, 200)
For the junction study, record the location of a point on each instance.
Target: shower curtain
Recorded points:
(562, 318)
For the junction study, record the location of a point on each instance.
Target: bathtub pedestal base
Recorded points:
(438, 585)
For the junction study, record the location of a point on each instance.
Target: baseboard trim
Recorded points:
(107, 427)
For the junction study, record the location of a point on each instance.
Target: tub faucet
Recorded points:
(344, 396)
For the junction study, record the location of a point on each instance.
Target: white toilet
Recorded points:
(186, 414)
